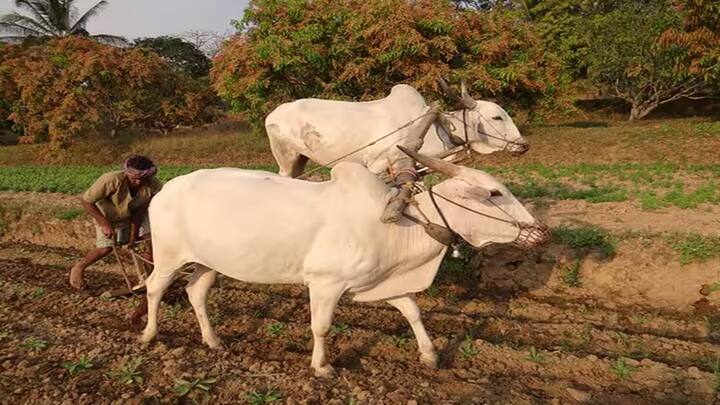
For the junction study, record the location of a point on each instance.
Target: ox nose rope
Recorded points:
(503, 138)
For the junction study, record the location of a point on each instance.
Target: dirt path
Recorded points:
(485, 343)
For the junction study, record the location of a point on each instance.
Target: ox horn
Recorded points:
(438, 165)
(446, 89)
(466, 99)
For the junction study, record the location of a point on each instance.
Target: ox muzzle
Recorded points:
(531, 236)
(517, 148)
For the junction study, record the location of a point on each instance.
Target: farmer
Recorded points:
(118, 203)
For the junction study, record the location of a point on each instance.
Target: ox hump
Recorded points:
(356, 176)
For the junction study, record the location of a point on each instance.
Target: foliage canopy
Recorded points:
(359, 49)
(68, 87)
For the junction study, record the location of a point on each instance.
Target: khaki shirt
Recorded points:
(111, 194)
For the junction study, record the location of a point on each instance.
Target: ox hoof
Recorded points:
(429, 360)
(215, 344)
(325, 371)
(146, 337)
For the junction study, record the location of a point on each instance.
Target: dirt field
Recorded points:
(508, 329)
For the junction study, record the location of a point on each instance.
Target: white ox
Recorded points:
(260, 227)
(324, 130)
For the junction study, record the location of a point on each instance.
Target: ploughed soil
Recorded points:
(637, 330)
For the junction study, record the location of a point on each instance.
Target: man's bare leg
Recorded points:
(77, 272)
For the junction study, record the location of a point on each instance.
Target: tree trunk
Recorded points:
(640, 110)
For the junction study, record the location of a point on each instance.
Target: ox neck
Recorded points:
(427, 214)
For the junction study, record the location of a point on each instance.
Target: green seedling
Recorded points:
(571, 274)
(34, 344)
(263, 397)
(130, 372)
(275, 329)
(621, 369)
(184, 387)
(468, 348)
(339, 329)
(83, 364)
(173, 311)
(37, 293)
(535, 356)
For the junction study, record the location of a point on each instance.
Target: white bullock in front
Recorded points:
(263, 228)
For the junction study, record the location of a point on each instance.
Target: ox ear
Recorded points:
(479, 193)
(438, 165)
(482, 193)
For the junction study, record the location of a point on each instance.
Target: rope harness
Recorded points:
(135, 255)
(327, 165)
(508, 143)
(526, 237)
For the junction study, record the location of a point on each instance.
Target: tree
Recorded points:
(64, 88)
(180, 54)
(209, 42)
(562, 24)
(479, 5)
(359, 49)
(51, 18)
(626, 57)
(700, 36)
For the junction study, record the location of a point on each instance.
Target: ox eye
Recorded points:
(498, 118)
(495, 193)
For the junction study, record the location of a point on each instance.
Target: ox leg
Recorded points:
(156, 285)
(407, 306)
(197, 290)
(323, 300)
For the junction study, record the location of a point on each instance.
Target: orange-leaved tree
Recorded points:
(8, 90)
(699, 37)
(359, 49)
(71, 86)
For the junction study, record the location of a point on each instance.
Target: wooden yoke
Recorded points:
(402, 167)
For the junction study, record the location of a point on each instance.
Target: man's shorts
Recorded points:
(122, 234)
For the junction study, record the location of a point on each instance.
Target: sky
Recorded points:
(151, 18)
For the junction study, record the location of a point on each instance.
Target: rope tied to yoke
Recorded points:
(407, 124)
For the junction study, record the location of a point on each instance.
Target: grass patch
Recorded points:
(571, 274)
(585, 240)
(654, 185)
(714, 366)
(77, 179)
(560, 191)
(69, 215)
(694, 247)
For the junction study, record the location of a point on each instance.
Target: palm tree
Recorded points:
(51, 18)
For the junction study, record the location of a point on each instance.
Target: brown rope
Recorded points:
(122, 267)
(326, 165)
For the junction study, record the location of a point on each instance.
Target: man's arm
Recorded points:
(94, 212)
(136, 221)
